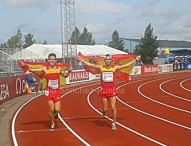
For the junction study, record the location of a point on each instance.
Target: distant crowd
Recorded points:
(179, 59)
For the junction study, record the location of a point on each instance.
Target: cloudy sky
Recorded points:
(170, 19)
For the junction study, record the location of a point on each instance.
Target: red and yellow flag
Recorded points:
(117, 60)
(25, 65)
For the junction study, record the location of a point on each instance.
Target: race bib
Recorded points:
(46, 92)
(53, 84)
(107, 76)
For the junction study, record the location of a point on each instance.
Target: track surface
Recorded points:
(152, 110)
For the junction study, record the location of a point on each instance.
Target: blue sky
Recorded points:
(170, 19)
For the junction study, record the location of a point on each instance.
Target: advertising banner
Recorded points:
(78, 76)
(136, 70)
(11, 87)
(178, 66)
(187, 66)
(165, 68)
(149, 69)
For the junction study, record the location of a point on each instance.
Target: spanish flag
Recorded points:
(25, 65)
(117, 60)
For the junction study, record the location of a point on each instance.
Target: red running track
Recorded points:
(149, 113)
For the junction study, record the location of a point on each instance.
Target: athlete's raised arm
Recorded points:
(65, 73)
(88, 63)
(127, 64)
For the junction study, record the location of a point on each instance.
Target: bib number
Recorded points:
(107, 76)
(46, 93)
(53, 84)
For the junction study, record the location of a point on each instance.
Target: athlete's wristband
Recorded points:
(68, 71)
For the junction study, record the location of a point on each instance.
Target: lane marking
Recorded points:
(40, 130)
(62, 119)
(151, 115)
(159, 118)
(179, 97)
(14, 119)
(123, 126)
(161, 103)
(16, 114)
(183, 86)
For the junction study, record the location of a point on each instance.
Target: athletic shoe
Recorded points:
(52, 127)
(55, 115)
(113, 127)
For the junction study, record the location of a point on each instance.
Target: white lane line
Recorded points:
(41, 130)
(17, 112)
(123, 126)
(69, 128)
(151, 115)
(14, 119)
(161, 103)
(183, 86)
(179, 97)
(73, 132)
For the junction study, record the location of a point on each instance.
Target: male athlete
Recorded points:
(52, 91)
(108, 91)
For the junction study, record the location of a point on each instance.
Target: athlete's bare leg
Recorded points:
(104, 105)
(57, 107)
(113, 107)
(51, 112)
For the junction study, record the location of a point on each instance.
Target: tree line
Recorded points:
(147, 48)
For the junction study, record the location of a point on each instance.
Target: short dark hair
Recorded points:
(107, 55)
(51, 54)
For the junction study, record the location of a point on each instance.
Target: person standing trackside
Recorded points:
(52, 91)
(31, 80)
(108, 91)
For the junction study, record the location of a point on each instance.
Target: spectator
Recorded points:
(31, 80)
(139, 63)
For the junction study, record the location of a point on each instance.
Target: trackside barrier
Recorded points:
(178, 66)
(149, 69)
(165, 68)
(11, 87)
(81, 75)
(136, 70)
(187, 66)
(77, 76)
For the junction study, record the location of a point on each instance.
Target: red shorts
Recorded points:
(52, 94)
(108, 92)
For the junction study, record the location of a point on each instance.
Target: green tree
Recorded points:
(19, 36)
(15, 41)
(75, 39)
(84, 38)
(148, 46)
(29, 40)
(116, 42)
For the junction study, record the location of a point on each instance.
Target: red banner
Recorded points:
(11, 87)
(149, 69)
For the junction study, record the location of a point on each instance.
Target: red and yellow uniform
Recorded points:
(52, 91)
(108, 88)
